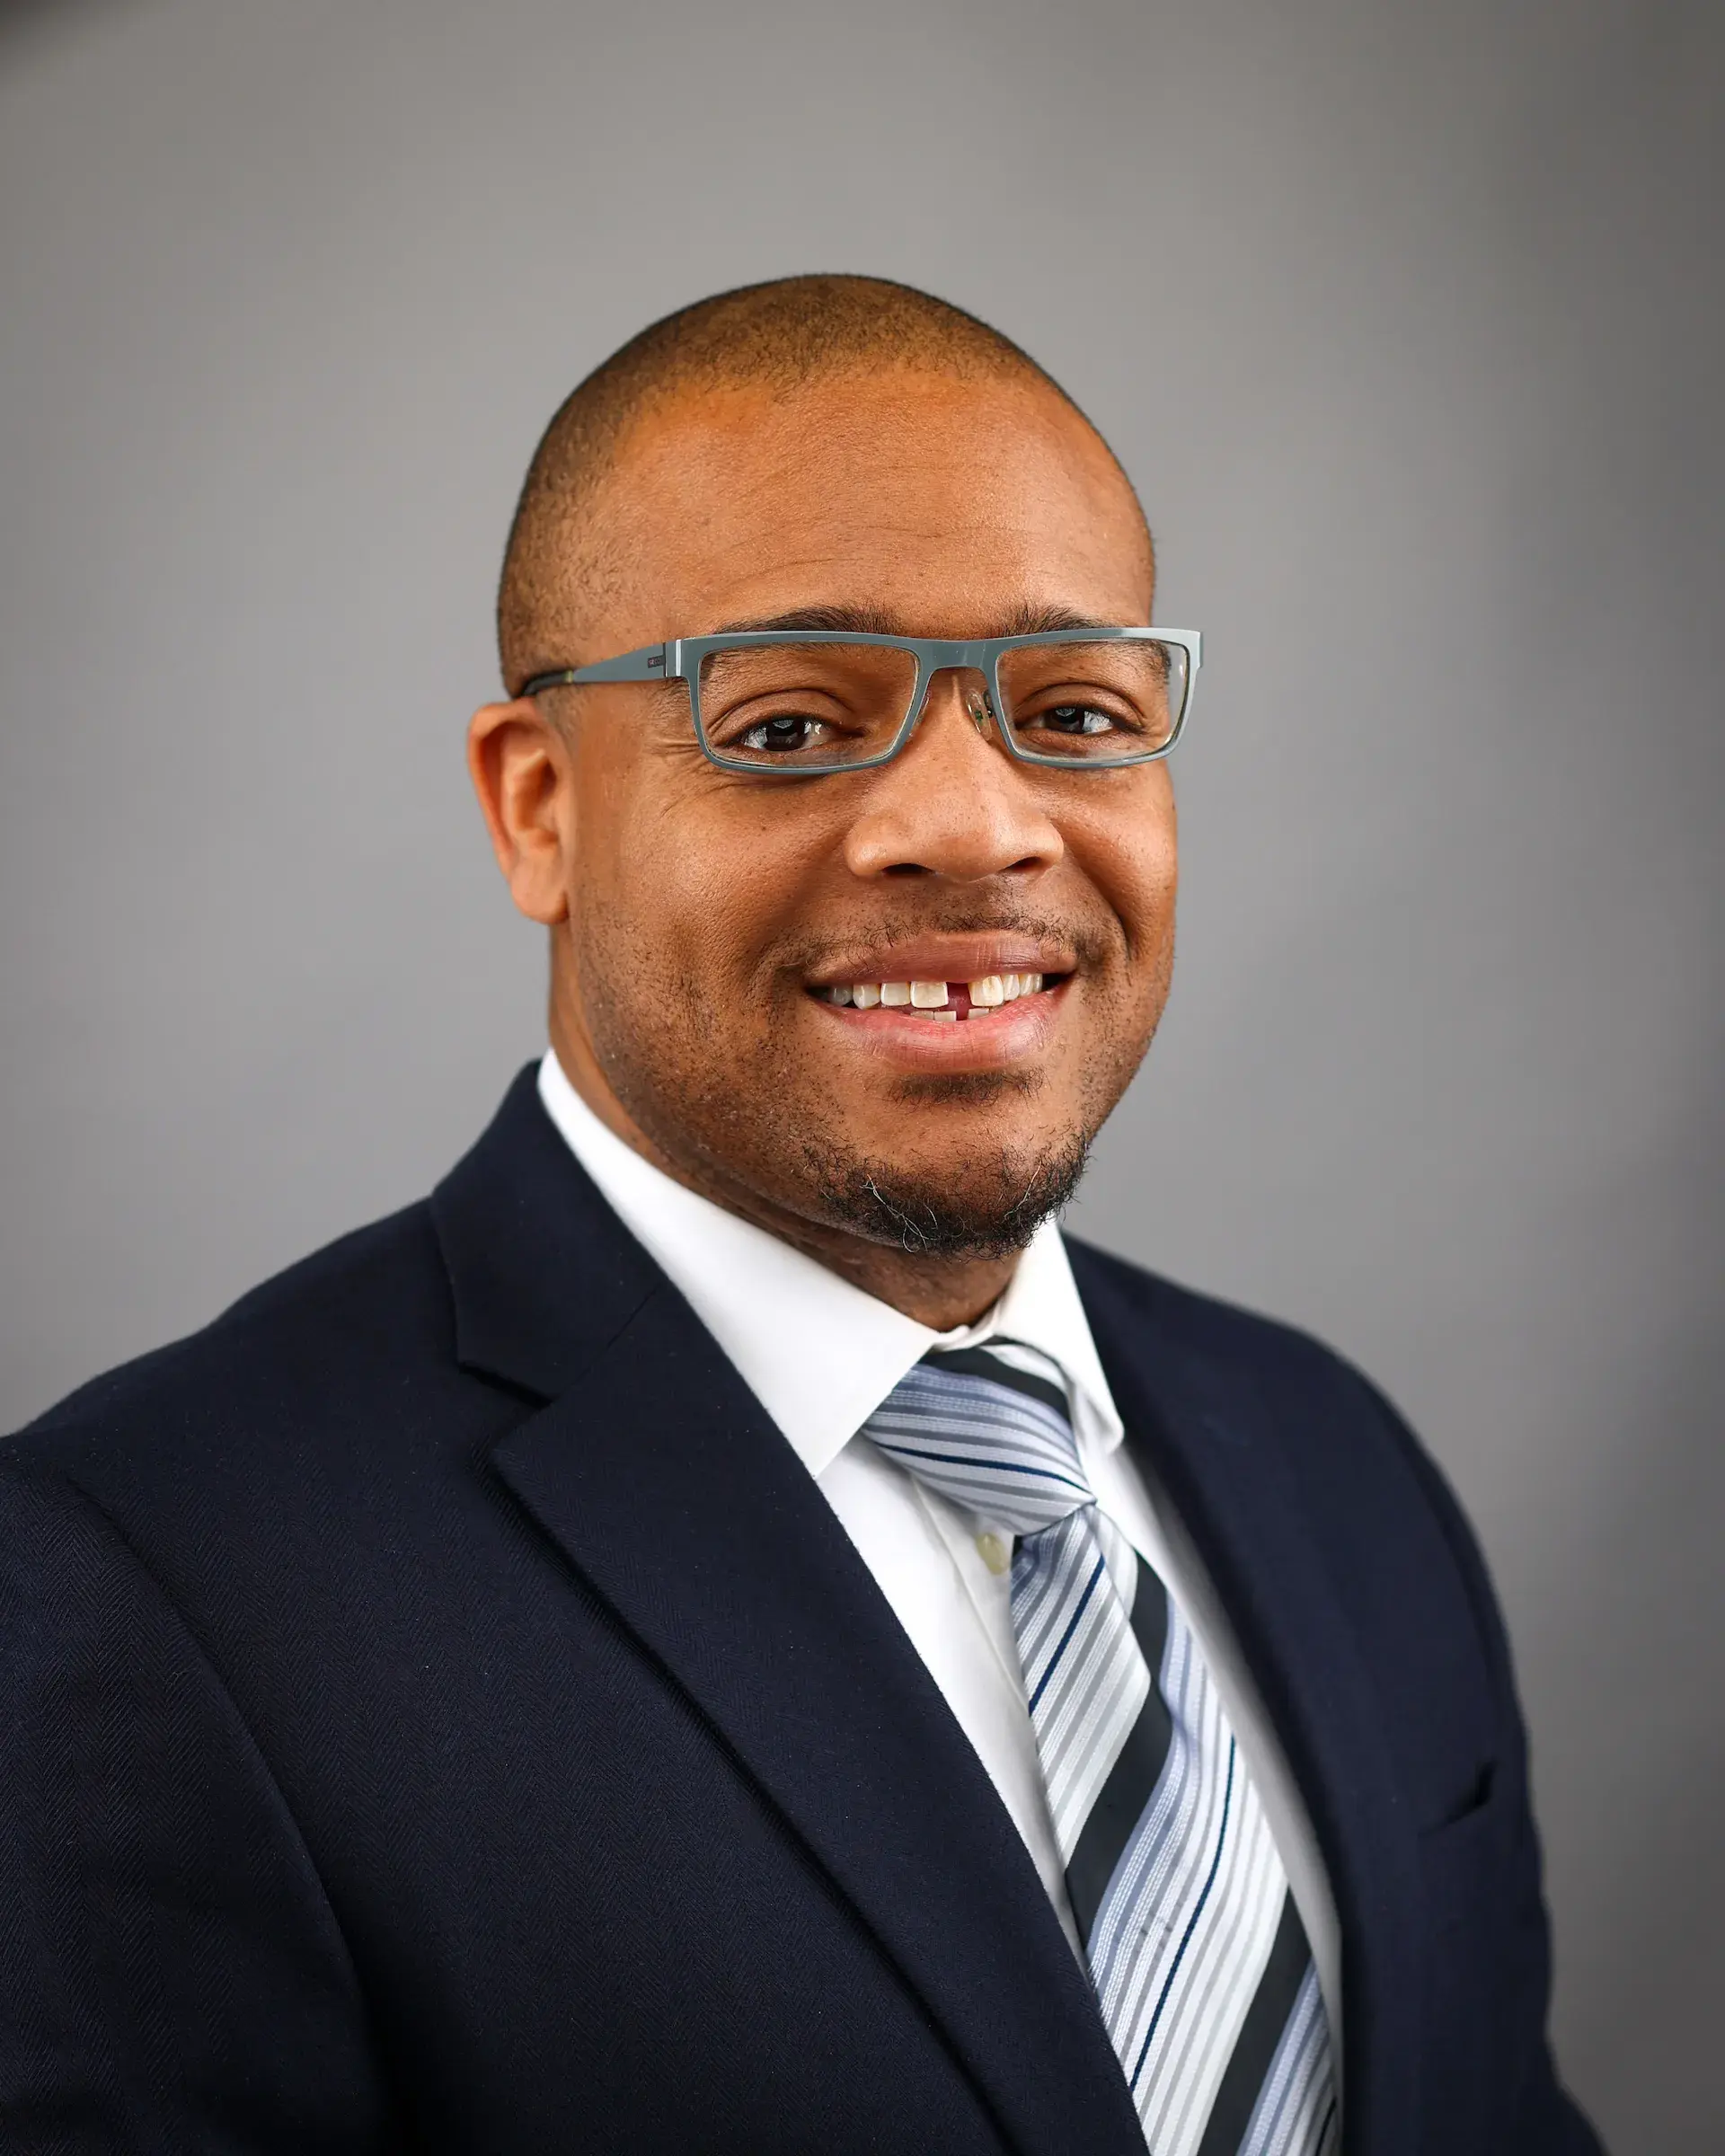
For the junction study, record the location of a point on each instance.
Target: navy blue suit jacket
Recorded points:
(439, 1712)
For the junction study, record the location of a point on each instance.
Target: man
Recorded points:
(720, 1630)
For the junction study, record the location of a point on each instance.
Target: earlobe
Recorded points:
(520, 766)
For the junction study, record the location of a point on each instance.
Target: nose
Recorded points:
(953, 803)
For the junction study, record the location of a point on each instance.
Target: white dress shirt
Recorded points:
(821, 1355)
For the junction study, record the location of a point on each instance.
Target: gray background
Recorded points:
(1407, 321)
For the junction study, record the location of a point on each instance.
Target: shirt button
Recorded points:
(995, 1554)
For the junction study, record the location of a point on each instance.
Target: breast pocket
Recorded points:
(1462, 1866)
(1458, 1856)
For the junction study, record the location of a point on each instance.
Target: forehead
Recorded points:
(944, 503)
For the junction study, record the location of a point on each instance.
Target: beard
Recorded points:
(755, 1128)
(758, 1128)
(991, 1212)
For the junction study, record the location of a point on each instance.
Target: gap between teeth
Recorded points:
(931, 998)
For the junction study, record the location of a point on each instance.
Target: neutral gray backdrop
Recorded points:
(1408, 323)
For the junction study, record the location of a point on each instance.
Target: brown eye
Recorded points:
(783, 734)
(1076, 718)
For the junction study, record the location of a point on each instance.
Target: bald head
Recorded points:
(774, 339)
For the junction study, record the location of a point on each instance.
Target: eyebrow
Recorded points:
(878, 621)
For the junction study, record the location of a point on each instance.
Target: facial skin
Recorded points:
(693, 912)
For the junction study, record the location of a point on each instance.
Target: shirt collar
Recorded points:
(818, 1354)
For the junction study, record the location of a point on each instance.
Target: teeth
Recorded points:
(944, 1018)
(987, 994)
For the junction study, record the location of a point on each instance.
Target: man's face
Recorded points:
(709, 915)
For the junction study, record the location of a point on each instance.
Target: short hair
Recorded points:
(781, 335)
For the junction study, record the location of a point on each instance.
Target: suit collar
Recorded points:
(1211, 1440)
(818, 1353)
(656, 1473)
(542, 1272)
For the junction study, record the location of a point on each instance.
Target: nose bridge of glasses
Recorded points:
(950, 661)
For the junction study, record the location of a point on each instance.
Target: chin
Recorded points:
(972, 1203)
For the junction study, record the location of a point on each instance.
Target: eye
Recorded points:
(783, 734)
(1076, 718)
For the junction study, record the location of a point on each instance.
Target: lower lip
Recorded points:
(1011, 1033)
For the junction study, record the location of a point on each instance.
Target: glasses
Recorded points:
(804, 705)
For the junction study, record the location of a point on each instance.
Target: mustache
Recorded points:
(1090, 943)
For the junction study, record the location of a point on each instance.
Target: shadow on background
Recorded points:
(18, 16)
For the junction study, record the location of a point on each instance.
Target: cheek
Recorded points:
(1129, 850)
(697, 888)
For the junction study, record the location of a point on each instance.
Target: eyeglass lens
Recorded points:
(788, 706)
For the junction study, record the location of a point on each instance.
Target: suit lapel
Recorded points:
(1211, 1441)
(660, 1478)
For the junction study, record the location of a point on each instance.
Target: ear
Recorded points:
(520, 768)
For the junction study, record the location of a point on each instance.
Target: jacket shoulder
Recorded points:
(1327, 1419)
(337, 1322)
(1374, 1496)
(1220, 1338)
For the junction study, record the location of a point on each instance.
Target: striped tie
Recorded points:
(1195, 1950)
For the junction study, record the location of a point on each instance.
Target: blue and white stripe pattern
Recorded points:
(1195, 1950)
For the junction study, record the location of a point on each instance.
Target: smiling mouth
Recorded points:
(941, 1001)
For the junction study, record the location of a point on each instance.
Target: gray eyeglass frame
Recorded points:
(680, 659)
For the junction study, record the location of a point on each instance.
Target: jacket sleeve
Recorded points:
(171, 1978)
(1546, 2119)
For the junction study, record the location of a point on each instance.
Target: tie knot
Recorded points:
(989, 1434)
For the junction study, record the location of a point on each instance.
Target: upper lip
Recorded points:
(945, 958)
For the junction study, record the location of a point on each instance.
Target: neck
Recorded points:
(938, 1292)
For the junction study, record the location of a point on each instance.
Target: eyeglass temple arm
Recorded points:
(652, 662)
